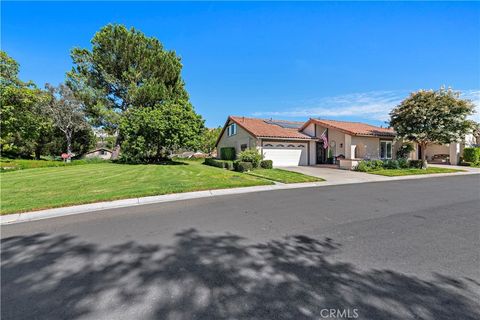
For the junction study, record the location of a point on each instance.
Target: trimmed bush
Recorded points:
(471, 154)
(415, 164)
(391, 164)
(362, 166)
(250, 155)
(227, 153)
(242, 166)
(403, 163)
(376, 164)
(266, 164)
(225, 164)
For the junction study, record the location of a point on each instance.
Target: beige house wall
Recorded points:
(339, 138)
(310, 130)
(434, 149)
(366, 147)
(236, 141)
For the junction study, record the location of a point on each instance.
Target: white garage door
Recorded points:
(286, 154)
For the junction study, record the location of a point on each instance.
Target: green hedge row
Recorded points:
(472, 155)
(225, 164)
(372, 165)
(240, 166)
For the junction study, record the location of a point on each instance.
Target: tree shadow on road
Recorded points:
(213, 277)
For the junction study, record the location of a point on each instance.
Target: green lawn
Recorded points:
(22, 164)
(412, 171)
(26, 190)
(283, 176)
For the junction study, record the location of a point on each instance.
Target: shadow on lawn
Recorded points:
(212, 277)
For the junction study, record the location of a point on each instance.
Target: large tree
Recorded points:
(427, 117)
(151, 133)
(208, 139)
(124, 69)
(25, 129)
(67, 113)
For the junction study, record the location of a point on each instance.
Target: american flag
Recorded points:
(324, 138)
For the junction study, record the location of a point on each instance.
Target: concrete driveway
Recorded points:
(338, 175)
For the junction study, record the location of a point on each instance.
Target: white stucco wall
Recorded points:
(236, 141)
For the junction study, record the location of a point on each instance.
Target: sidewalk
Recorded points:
(332, 176)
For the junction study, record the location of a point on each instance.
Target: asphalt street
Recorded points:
(384, 250)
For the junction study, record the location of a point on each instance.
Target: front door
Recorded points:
(321, 153)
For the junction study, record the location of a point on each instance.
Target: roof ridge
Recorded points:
(345, 121)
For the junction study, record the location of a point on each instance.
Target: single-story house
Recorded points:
(316, 141)
(102, 153)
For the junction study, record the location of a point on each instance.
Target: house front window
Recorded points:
(385, 149)
(232, 129)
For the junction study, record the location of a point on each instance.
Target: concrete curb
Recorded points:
(84, 208)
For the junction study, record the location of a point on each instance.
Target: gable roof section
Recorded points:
(260, 128)
(353, 128)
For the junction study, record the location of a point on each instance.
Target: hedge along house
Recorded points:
(292, 143)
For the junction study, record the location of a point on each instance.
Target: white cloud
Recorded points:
(374, 105)
(473, 95)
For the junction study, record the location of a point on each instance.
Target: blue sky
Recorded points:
(347, 61)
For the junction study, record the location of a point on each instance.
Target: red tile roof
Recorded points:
(354, 128)
(264, 128)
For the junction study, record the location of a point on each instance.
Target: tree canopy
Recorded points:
(25, 128)
(66, 111)
(150, 134)
(131, 85)
(124, 69)
(427, 117)
(208, 139)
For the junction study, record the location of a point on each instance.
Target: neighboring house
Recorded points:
(293, 143)
(102, 153)
(444, 153)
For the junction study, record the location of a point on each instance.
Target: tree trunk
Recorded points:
(38, 152)
(424, 155)
(69, 147)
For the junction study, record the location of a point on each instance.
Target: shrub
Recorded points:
(472, 155)
(376, 164)
(402, 163)
(266, 164)
(250, 155)
(225, 164)
(404, 150)
(242, 166)
(391, 164)
(415, 164)
(362, 166)
(227, 153)
(228, 164)
(369, 165)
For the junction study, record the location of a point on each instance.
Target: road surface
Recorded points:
(386, 250)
